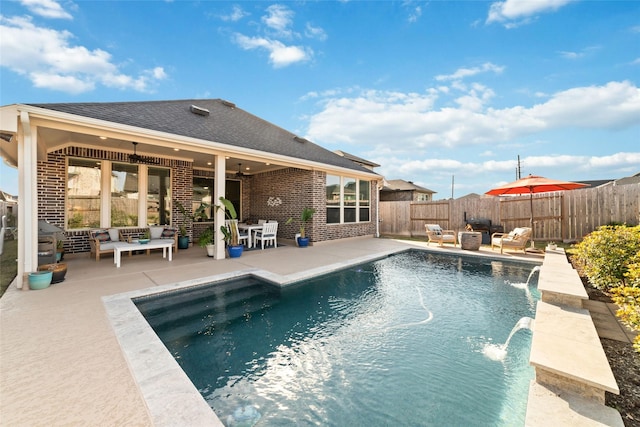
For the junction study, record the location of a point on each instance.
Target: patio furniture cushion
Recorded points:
(114, 234)
(156, 232)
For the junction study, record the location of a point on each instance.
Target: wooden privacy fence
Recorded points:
(561, 215)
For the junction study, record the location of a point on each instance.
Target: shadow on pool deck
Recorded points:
(60, 362)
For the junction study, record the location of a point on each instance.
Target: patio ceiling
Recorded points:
(51, 139)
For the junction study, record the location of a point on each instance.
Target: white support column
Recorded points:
(105, 193)
(143, 190)
(218, 214)
(28, 196)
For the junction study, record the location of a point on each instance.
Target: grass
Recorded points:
(8, 264)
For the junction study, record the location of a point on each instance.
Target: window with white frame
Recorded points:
(347, 200)
(101, 193)
(83, 193)
(124, 195)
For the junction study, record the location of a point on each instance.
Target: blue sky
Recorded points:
(430, 90)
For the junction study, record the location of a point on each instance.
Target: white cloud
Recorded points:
(279, 21)
(279, 18)
(48, 59)
(462, 73)
(237, 13)
(46, 8)
(571, 55)
(410, 122)
(280, 55)
(516, 12)
(315, 32)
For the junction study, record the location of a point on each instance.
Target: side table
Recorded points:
(470, 240)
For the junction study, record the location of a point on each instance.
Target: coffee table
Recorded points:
(135, 246)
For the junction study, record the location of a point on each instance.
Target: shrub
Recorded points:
(628, 299)
(606, 254)
(610, 258)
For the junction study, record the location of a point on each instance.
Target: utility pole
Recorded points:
(452, 179)
(518, 171)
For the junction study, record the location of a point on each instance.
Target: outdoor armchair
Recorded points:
(516, 239)
(435, 233)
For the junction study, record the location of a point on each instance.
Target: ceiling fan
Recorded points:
(136, 158)
(240, 173)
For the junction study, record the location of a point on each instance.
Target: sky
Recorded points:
(446, 94)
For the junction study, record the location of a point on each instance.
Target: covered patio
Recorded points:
(129, 165)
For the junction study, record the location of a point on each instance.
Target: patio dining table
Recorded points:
(251, 229)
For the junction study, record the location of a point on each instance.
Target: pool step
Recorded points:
(197, 309)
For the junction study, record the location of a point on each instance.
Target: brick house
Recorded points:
(126, 164)
(401, 190)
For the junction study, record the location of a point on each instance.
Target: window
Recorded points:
(83, 193)
(109, 194)
(347, 199)
(333, 199)
(159, 196)
(364, 201)
(124, 195)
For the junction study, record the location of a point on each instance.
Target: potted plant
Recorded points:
(231, 233)
(200, 213)
(305, 217)
(59, 250)
(206, 240)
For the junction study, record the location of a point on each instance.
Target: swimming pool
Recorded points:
(403, 340)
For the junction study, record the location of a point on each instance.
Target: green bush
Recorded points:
(610, 258)
(606, 254)
(628, 299)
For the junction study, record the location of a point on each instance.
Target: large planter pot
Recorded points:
(235, 251)
(40, 279)
(183, 242)
(58, 270)
(211, 250)
(303, 242)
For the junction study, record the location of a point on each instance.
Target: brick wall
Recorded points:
(297, 189)
(276, 195)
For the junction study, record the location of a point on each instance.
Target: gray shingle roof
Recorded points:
(226, 124)
(402, 185)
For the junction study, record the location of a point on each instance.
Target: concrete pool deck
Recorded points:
(60, 360)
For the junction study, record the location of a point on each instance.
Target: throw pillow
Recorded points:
(102, 235)
(168, 233)
(156, 232)
(114, 234)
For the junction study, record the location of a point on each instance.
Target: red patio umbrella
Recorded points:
(534, 184)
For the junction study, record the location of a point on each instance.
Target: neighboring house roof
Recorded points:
(213, 120)
(402, 185)
(359, 160)
(634, 179)
(596, 182)
(471, 196)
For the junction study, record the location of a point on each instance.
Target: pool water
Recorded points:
(415, 339)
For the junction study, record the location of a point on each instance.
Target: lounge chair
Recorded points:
(435, 233)
(516, 239)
